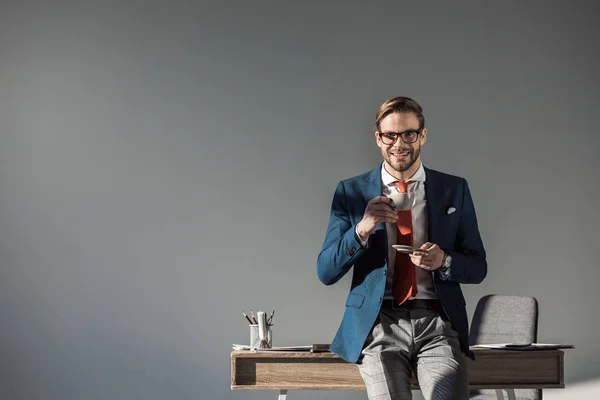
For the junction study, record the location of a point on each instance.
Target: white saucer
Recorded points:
(407, 249)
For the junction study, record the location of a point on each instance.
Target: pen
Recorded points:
(249, 320)
(253, 317)
(270, 321)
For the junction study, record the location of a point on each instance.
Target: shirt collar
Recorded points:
(389, 180)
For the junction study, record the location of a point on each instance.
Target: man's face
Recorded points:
(400, 156)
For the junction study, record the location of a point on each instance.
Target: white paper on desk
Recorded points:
(533, 346)
(285, 348)
(273, 349)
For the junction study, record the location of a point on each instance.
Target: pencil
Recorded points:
(253, 317)
(249, 320)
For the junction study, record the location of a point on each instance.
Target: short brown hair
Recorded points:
(400, 105)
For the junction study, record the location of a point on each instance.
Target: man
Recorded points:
(405, 312)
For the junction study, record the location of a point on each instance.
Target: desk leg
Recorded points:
(509, 392)
(282, 395)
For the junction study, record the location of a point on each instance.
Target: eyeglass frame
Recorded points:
(399, 135)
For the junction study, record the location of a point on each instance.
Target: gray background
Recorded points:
(165, 165)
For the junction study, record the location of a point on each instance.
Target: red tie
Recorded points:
(405, 280)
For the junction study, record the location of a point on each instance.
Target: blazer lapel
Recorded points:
(435, 194)
(372, 185)
(372, 188)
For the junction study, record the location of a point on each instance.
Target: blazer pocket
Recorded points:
(355, 300)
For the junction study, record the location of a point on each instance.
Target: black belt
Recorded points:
(414, 304)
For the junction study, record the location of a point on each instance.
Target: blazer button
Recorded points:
(380, 299)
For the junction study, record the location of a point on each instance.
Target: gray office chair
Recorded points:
(505, 319)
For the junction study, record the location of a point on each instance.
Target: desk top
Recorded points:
(479, 352)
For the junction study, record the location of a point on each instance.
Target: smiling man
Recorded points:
(405, 313)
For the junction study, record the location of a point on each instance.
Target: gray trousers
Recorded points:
(417, 340)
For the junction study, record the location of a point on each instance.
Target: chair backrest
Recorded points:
(505, 319)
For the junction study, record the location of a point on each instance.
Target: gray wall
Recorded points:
(165, 165)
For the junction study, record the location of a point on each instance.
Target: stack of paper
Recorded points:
(287, 348)
(525, 346)
(280, 348)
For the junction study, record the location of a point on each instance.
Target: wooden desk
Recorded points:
(493, 369)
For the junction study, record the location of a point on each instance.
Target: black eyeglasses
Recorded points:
(409, 136)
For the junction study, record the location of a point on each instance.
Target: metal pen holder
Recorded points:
(255, 342)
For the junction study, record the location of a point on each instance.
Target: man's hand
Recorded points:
(378, 210)
(429, 260)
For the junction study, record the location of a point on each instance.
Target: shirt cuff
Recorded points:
(444, 275)
(363, 244)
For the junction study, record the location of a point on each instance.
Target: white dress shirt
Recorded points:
(414, 200)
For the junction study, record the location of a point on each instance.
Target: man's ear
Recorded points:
(378, 140)
(423, 137)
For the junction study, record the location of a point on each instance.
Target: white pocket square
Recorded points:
(450, 210)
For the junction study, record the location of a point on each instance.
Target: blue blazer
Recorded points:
(456, 233)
